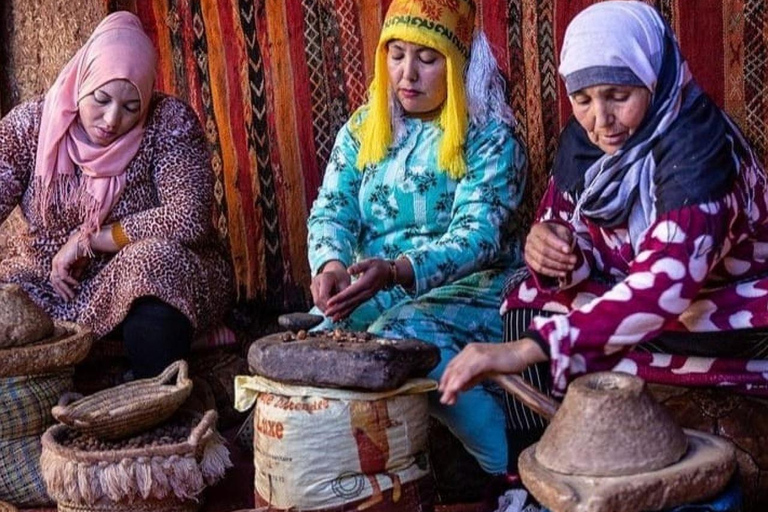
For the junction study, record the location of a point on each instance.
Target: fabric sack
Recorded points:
(319, 448)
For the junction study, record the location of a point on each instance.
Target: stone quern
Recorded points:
(611, 446)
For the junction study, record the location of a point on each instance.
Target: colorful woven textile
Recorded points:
(273, 80)
(26, 402)
(21, 481)
(25, 413)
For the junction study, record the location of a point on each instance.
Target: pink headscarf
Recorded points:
(117, 49)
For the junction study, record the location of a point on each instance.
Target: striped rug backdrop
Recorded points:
(273, 80)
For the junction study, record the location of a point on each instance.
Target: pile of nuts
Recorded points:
(173, 432)
(337, 335)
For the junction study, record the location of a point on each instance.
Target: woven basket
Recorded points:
(69, 345)
(160, 478)
(7, 507)
(123, 410)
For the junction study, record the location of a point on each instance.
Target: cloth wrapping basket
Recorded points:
(162, 478)
(336, 449)
(25, 413)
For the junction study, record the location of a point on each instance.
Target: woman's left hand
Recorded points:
(479, 361)
(67, 266)
(374, 275)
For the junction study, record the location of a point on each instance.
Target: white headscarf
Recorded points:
(610, 38)
(625, 43)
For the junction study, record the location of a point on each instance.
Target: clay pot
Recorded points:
(609, 425)
(22, 322)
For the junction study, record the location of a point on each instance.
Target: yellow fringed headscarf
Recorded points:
(446, 26)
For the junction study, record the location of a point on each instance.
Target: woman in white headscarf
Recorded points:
(653, 232)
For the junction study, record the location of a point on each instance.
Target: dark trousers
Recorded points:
(525, 427)
(155, 334)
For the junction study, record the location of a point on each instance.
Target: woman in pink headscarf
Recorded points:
(116, 187)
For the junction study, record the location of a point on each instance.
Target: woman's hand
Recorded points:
(332, 279)
(479, 361)
(67, 266)
(374, 274)
(549, 249)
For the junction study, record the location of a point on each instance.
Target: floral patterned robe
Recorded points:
(459, 235)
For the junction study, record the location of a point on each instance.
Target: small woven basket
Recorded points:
(129, 408)
(147, 478)
(69, 345)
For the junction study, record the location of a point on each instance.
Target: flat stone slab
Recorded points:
(341, 359)
(702, 473)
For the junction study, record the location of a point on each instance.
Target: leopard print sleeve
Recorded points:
(18, 144)
(177, 158)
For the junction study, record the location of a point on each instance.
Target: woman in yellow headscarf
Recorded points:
(414, 226)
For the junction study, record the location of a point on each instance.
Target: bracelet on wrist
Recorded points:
(393, 278)
(119, 236)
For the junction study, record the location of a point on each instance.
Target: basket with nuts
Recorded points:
(163, 469)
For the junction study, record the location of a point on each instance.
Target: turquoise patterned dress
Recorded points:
(461, 237)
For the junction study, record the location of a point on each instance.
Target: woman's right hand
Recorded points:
(331, 280)
(67, 266)
(479, 361)
(549, 249)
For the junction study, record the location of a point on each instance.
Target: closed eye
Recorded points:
(580, 100)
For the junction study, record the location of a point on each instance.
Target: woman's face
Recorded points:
(110, 111)
(610, 113)
(417, 75)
